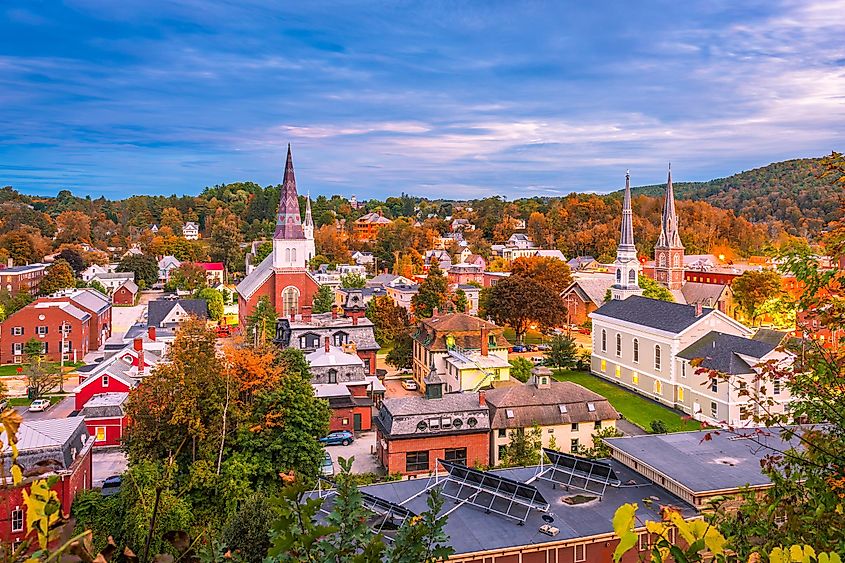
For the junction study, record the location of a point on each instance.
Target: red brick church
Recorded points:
(283, 276)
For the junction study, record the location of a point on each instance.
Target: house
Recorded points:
(283, 276)
(125, 294)
(439, 257)
(583, 263)
(463, 254)
(105, 418)
(59, 324)
(58, 448)
(520, 240)
(554, 253)
(413, 433)
(648, 346)
(465, 273)
(363, 258)
(165, 268)
(94, 269)
(584, 295)
(477, 260)
(367, 294)
(112, 280)
(339, 375)
(353, 329)
(492, 278)
(98, 306)
(132, 251)
(386, 280)
(402, 295)
(22, 279)
(472, 292)
(460, 351)
(567, 414)
(717, 296)
(165, 315)
(191, 231)
(154, 228)
(345, 269)
(215, 272)
(461, 225)
(366, 227)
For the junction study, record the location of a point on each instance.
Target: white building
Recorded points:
(191, 231)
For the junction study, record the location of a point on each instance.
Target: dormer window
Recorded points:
(591, 407)
(340, 338)
(106, 381)
(562, 409)
(509, 413)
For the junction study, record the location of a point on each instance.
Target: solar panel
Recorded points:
(491, 492)
(389, 516)
(579, 473)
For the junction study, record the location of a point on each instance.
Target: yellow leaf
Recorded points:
(17, 474)
(714, 541)
(777, 555)
(796, 553)
(623, 525)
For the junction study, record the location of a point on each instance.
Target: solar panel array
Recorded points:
(579, 473)
(389, 516)
(493, 493)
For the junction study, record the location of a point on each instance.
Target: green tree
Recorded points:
(94, 284)
(563, 352)
(323, 300)
(144, 267)
(224, 244)
(752, 289)
(214, 302)
(401, 356)
(460, 301)
(390, 320)
(599, 449)
(73, 258)
(189, 277)
(654, 290)
(353, 281)
(261, 321)
(33, 349)
(40, 376)
(247, 529)
(519, 302)
(262, 251)
(523, 447)
(58, 277)
(433, 294)
(13, 303)
(521, 368)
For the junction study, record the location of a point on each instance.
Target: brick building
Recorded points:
(367, 226)
(17, 279)
(55, 447)
(98, 306)
(125, 294)
(60, 325)
(584, 295)
(412, 433)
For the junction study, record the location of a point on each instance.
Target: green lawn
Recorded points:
(10, 370)
(24, 402)
(635, 408)
(530, 337)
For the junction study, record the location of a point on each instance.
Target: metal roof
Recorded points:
(653, 313)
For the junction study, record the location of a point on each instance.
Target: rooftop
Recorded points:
(562, 402)
(652, 313)
(23, 269)
(724, 352)
(334, 357)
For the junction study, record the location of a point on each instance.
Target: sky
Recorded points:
(454, 99)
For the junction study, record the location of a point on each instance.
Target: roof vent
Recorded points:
(562, 409)
(549, 530)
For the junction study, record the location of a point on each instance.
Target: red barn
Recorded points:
(125, 294)
(105, 419)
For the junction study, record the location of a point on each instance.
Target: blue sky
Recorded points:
(438, 99)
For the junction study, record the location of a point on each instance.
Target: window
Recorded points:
(551, 431)
(340, 338)
(472, 422)
(41, 330)
(658, 387)
(573, 445)
(603, 340)
(597, 425)
(591, 407)
(618, 371)
(290, 301)
(100, 434)
(744, 412)
(502, 433)
(17, 348)
(309, 341)
(776, 386)
(680, 394)
(714, 409)
(574, 427)
(604, 365)
(657, 357)
(509, 413)
(580, 553)
(683, 369)
(502, 450)
(636, 350)
(422, 426)
(677, 261)
(287, 255)
(635, 378)
(618, 344)
(293, 255)
(332, 376)
(562, 409)
(662, 260)
(17, 520)
(456, 455)
(632, 277)
(619, 275)
(17, 331)
(105, 381)
(714, 385)
(446, 422)
(416, 461)
(434, 423)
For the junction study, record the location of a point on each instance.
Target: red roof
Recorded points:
(212, 265)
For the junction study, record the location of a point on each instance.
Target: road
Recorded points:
(105, 463)
(62, 409)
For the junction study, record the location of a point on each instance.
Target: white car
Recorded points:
(39, 405)
(409, 384)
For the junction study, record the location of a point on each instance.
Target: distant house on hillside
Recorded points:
(191, 231)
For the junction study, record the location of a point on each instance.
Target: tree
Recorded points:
(172, 218)
(323, 300)
(654, 290)
(521, 368)
(523, 447)
(20, 247)
(563, 352)
(401, 356)
(390, 320)
(11, 304)
(189, 276)
(73, 227)
(433, 294)
(214, 302)
(58, 277)
(752, 289)
(599, 449)
(224, 243)
(263, 251)
(330, 243)
(40, 376)
(518, 302)
(353, 281)
(73, 258)
(144, 267)
(261, 322)
(547, 271)
(246, 532)
(95, 284)
(459, 301)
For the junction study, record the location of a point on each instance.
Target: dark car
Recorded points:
(111, 486)
(519, 348)
(342, 437)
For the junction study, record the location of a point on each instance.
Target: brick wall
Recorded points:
(29, 318)
(393, 456)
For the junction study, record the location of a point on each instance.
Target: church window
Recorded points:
(290, 301)
(657, 358)
(603, 340)
(618, 344)
(619, 275)
(287, 255)
(293, 255)
(677, 260)
(662, 260)
(632, 276)
(636, 349)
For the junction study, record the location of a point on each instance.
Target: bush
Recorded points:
(521, 369)
(658, 427)
(247, 530)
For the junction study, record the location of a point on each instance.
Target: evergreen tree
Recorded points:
(261, 322)
(563, 352)
(654, 290)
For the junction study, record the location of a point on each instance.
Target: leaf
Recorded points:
(17, 474)
(623, 526)
(179, 539)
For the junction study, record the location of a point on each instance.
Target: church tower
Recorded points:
(293, 243)
(627, 265)
(669, 252)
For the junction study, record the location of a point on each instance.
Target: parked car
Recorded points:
(409, 384)
(3, 404)
(342, 437)
(111, 486)
(327, 467)
(537, 360)
(543, 347)
(39, 405)
(519, 348)
(584, 330)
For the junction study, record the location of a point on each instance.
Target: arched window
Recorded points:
(636, 349)
(603, 340)
(657, 357)
(618, 344)
(287, 255)
(662, 260)
(332, 376)
(677, 260)
(293, 255)
(632, 276)
(290, 301)
(619, 275)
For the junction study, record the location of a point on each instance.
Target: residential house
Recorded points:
(215, 272)
(339, 375)
(567, 414)
(472, 292)
(385, 280)
(98, 306)
(59, 325)
(402, 295)
(521, 241)
(367, 226)
(125, 294)
(363, 258)
(22, 279)
(57, 448)
(465, 273)
(492, 278)
(464, 254)
(165, 268)
(477, 260)
(94, 269)
(461, 225)
(191, 231)
(554, 253)
(460, 351)
(717, 296)
(345, 269)
(439, 257)
(412, 433)
(367, 294)
(113, 280)
(584, 295)
(165, 315)
(583, 264)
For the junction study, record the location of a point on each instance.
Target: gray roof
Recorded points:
(592, 288)
(577, 262)
(256, 278)
(769, 336)
(23, 269)
(130, 285)
(48, 443)
(700, 465)
(721, 352)
(653, 313)
(705, 293)
(114, 276)
(399, 416)
(157, 310)
(92, 299)
(532, 405)
(322, 324)
(104, 405)
(471, 529)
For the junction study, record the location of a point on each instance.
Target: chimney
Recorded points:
(151, 333)
(327, 343)
(482, 399)
(334, 311)
(698, 310)
(485, 341)
(306, 314)
(138, 344)
(354, 319)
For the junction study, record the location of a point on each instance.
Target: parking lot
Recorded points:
(362, 449)
(105, 463)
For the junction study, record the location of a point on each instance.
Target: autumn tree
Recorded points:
(353, 281)
(58, 277)
(753, 288)
(323, 299)
(331, 244)
(73, 258)
(519, 302)
(144, 267)
(189, 276)
(654, 290)
(73, 227)
(433, 294)
(172, 219)
(224, 242)
(389, 320)
(20, 247)
(261, 321)
(545, 270)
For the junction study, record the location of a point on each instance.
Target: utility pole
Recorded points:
(62, 358)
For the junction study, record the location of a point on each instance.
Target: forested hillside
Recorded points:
(789, 194)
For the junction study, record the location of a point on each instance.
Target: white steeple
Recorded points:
(627, 265)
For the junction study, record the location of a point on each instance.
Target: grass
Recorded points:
(633, 407)
(24, 402)
(530, 336)
(10, 370)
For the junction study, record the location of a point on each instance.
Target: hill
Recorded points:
(788, 194)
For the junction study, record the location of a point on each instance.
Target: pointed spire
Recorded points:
(669, 236)
(309, 222)
(288, 219)
(626, 238)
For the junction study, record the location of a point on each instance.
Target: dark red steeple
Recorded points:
(288, 219)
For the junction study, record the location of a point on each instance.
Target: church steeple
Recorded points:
(288, 219)
(627, 265)
(669, 251)
(308, 224)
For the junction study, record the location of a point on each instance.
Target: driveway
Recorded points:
(105, 463)
(393, 388)
(62, 409)
(361, 449)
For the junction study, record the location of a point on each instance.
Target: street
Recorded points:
(62, 409)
